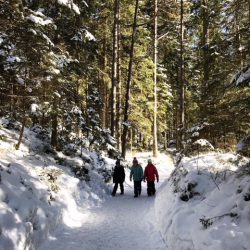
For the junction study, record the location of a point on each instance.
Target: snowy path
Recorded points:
(122, 222)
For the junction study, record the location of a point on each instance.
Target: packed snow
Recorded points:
(202, 203)
(120, 222)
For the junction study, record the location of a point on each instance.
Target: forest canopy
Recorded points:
(90, 70)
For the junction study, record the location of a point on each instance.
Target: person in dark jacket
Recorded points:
(137, 173)
(118, 177)
(150, 174)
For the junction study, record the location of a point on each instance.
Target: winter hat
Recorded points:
(135, 160)
(149, 161)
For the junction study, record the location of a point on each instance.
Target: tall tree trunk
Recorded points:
(204, 45)
(104, 87)
(21, 132)
(155, 143)
(129, 81)
(118, 103)
(114, 68)
(238, 38)
(248, 47)
(54, 123)
(182, 84)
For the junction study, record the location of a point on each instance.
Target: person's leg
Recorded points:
(136, 188)
(148, 188)
(115, 188)
(121, 187)
(139, 188)
(153, 188)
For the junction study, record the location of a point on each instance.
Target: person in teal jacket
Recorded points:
(137, 173)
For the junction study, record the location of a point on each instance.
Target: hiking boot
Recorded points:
(135, 196)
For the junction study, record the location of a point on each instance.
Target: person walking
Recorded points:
(118, 177)
(137, 174)
(150, 174)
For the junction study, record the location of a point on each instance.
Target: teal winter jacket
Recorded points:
(136, 172)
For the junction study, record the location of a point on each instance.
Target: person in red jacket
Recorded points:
(150, 174)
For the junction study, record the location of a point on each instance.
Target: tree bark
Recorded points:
(104, 87)
(204, 45)
(54, 124)
(114, 68)
(118, 103)
(182, 84)
(21, 133)
(155, 143)
(129, 81)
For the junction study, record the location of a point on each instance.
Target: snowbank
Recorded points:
(205, 204)
(37, 194)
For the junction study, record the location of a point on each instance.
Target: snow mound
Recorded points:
(37, 193)
(207, 196)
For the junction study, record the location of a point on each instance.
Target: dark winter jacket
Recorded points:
(150, 173)
(136, 172)
(119, 174)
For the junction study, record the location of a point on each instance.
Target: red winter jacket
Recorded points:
(150, 173)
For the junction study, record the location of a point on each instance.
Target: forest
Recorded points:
(127, 75)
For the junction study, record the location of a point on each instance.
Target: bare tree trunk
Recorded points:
(21, 133)
(127, 97)
(155, 143)
(104, 87)
(248, 47)
(118, 104)
(131, 141)
(204, 41)
(54, 124)
(238, 38)
(182, 85)
(114, 68)
(12, 99)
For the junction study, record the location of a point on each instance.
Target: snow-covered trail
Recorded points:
(121, 222)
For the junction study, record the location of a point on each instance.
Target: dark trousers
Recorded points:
(116, 186)
(137, 188)
(150, 188)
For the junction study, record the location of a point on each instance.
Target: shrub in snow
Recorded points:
(243, 146)
(196, 141)
(77, 166)
(85, 157)
(48, 149)
(51, 176)
(106, 173)
(41, 133)
(3, 137)
(189, 191)
(81, 172)
(244, 170)
(198, 131)
(70, 149)
(206, 222)
(11, 124)
(198, 146)
(113, 152)
(172, 144)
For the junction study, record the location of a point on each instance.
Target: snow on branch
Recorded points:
(242, 78)
(70, 4)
